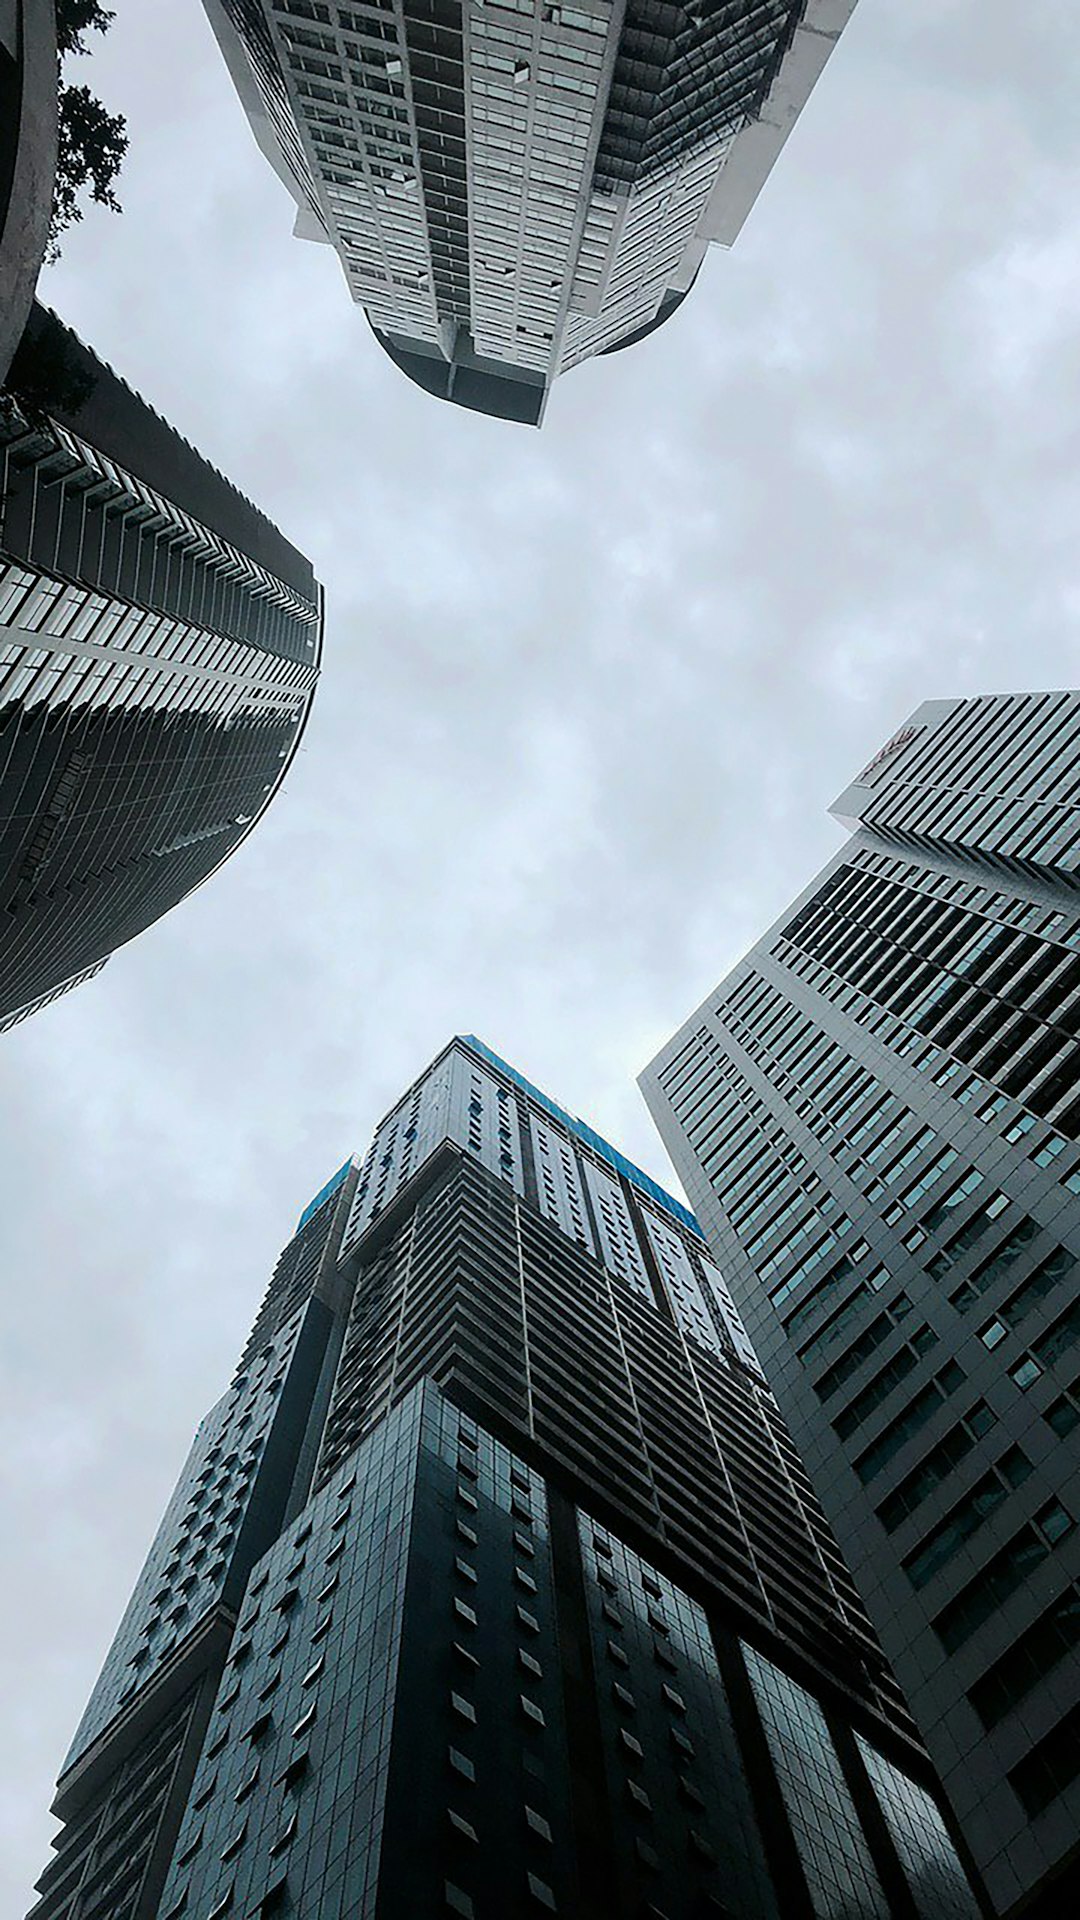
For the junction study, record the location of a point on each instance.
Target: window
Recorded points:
(287, 1835)
(1062, 1415)
(461, 1764)
(538, 1825)
(191, 1849)
(541, 1892)
(233, 1846)
(294, 1772)
(919, 1409)
(462, 1826)
(966, 1517)
(1050, 1767)
(918, 1831)
(531, 1711)
(982, 1596)
(1030, 1658)
(1063, 1334)
(463, 1707)
(996, 1266)
(826, 1828)
(1053, 1522)
(884, 1382)
(457, 1901)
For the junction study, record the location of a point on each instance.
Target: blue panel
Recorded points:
(324, 1193)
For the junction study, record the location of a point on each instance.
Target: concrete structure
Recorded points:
(877, 1117)
(159, 648)
(511, 185)
(493, 1585)
(28, 131)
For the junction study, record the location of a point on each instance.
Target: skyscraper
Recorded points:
(877, 1117)
(159, 648)
(512, 186)
(493, 1586)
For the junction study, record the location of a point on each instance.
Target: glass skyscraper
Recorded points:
(513, 186)
(493, 1586)
(877, 1118)
(159, 649)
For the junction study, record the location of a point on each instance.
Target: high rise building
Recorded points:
(159, 648)
(511, 185)
(493, 1586)
(877, 1118)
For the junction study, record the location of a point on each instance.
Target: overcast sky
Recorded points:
(587, 694)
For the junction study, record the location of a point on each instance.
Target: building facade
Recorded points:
(877, 1118)
(159, 649)
(513, 186)
(493, 1586)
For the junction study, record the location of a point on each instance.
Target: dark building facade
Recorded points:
(510, 186)
(159, 649)
(494, 1586)
(877, 1118)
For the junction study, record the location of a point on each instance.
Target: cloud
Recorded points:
(587, 695)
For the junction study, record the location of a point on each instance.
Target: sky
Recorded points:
(587, 695)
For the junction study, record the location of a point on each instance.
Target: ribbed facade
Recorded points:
(494, 1586)
(159, 648)
(877, 1117)
(512, 186)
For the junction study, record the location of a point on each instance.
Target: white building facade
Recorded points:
(514, 185)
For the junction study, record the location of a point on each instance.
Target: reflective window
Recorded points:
(929, 1859)
(831, 1845)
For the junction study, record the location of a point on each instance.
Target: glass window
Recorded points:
(831, 1845)
(931, 1864)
